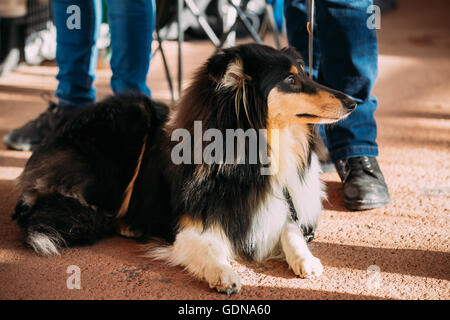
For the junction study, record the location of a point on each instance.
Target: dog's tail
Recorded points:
(56, 221)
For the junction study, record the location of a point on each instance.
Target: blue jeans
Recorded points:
(131, 25)
(345, 59)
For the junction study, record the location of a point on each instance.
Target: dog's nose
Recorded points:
(349, 104)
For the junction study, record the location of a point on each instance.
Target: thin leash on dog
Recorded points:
(310, 27)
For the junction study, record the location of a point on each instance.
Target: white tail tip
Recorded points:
(45, 244)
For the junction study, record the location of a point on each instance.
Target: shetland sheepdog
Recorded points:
(111, 169)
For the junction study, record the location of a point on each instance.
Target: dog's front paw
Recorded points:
(309, 267)
(224, 279)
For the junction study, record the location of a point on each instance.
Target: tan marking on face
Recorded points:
(284, 107)
(294, 132)
(293, 70)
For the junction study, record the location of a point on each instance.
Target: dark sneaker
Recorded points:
(30, 135)
(363, 183)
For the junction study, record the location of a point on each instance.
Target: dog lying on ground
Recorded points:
(121, 166)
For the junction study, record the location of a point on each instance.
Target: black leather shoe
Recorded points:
(363, 183)
(30, 135)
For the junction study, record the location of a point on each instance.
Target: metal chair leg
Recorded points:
(271, 19)
(166, 66)
(180, 4)
(202, 21)
(311, 36)
(243, 18)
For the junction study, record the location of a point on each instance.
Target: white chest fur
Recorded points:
(305, 188)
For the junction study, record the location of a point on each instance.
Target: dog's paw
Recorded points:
(308, 268)
(224, 279)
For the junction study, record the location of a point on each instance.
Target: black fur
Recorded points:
(75, 181)
(76, 178)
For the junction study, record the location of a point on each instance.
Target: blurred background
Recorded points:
(409, 240)
(28, 36)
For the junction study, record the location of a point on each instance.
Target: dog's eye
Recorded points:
(290, 80)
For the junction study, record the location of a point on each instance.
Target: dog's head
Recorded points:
(269, 85)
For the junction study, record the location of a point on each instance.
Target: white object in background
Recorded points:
(104, 38)
(229, 15)
(40, 46)
(10, 62)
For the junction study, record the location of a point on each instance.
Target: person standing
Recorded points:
(131, 24)
(346, 59)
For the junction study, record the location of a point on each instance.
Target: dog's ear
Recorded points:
(217, 64)
(227, 70)
(293, 53)
(234, 76)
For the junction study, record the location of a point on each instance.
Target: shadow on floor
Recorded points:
(25, 91)
(413, 114)
(422, 263)
(299, 294)
(335, 197)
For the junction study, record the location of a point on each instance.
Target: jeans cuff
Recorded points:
(352, 152)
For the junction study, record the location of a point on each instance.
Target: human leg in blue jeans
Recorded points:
(76, 52)
(346, 59)
(131, 25)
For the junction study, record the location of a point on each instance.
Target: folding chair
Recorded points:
(239, 6)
